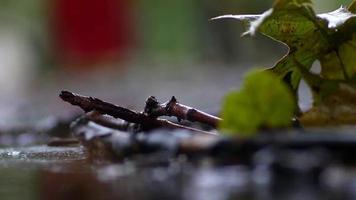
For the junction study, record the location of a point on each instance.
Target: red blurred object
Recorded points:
(89, 31)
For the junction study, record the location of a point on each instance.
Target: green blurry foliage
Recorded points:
(169, 29)
(22, 12)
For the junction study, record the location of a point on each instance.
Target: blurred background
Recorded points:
(124, 51)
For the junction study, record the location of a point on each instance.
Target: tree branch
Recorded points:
(107, 121)
(173, 108)
(147, 122)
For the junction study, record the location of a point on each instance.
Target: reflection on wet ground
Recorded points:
(21, 168)
(42, 172)
(41, 153)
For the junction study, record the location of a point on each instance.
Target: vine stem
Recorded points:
(147, 122)
(173, 108)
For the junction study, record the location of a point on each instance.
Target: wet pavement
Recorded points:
(43, 172)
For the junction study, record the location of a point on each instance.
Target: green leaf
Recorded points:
(328, 37)
(263, 101)
(347, 56)
(352, 7)
(346, 48)
(340, 63)
(295, 24)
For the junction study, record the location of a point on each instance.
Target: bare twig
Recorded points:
(147, 122)
(107, 121)
(90, 104)
(173, 108)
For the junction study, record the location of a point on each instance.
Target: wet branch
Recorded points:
(147, 122)
(107, 121)
(173, 108)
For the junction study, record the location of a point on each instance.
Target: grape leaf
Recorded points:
(336, 101)
(308, 36)
(289, 22)
(328, 37)
(339, 63)
(264, 101)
